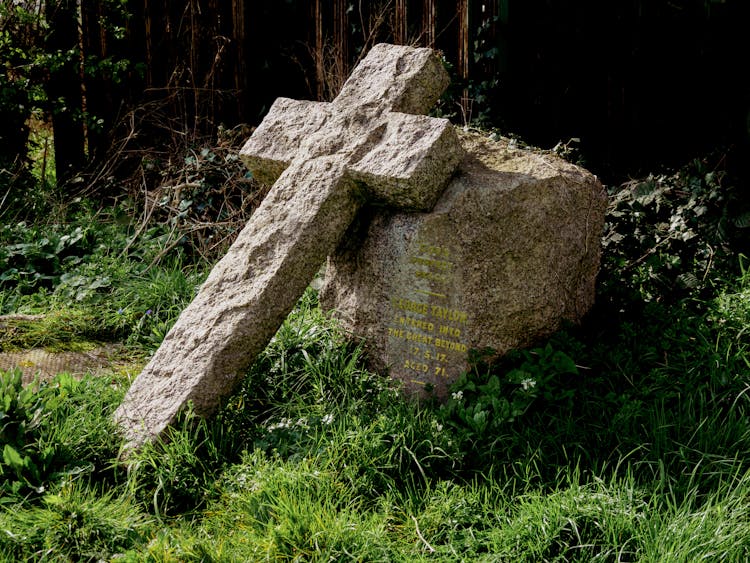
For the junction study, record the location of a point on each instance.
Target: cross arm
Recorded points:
(408, 160)
(277, 139)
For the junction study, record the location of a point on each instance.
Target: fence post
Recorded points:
(401, 23)
(429, 17)
(64, 87)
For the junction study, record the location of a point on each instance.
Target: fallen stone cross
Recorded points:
(509, 251)
(326, 160)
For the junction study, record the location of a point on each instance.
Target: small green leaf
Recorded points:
(12, 458)
(563, 363)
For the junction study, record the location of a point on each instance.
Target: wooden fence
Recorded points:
(621, 75)
(261, 48)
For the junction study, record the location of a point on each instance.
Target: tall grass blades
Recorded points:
(74, 523)
(624, 439)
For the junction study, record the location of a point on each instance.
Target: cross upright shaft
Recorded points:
(329, 158)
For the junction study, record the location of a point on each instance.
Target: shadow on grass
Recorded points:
(660, 393)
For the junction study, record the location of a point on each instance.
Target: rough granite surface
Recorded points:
(326, 160)
(510, 250)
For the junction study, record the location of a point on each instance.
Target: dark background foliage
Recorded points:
(637, 83)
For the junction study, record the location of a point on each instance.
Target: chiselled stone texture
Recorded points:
(510, 250)
(325, 160)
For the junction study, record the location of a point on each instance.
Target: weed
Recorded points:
(671, 236)
(486, 398)
(175, 475)
(71, 524)
(624, 439)
(48, 433)
(31, 259)
(87, 291)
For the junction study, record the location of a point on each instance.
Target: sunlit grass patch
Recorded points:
(73, 523)
(625, 439)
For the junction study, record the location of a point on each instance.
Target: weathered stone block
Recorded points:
(510, 250)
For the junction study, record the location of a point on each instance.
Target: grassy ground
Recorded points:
(625, 439)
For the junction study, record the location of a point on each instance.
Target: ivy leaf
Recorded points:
(563, 363)
(743, 221)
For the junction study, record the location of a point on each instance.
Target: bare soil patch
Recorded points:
(45, 364)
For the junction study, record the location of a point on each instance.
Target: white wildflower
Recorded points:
(283, 423)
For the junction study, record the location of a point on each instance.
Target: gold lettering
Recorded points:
(410, 306)
(416, 366)
(416, 323)
(448, 314)
(431, 276)
(441, 265)
(395, 332)
(450, 331)
(451, 345)
(434, 250)
(419, 338)
(410, 336)
(437, 356)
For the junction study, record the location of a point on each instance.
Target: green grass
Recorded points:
(91, 283)
(633, 444)
(75, 523)
(317, 459)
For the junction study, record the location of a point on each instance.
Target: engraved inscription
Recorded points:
(426, 333)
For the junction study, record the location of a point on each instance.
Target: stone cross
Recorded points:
(326, 160)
